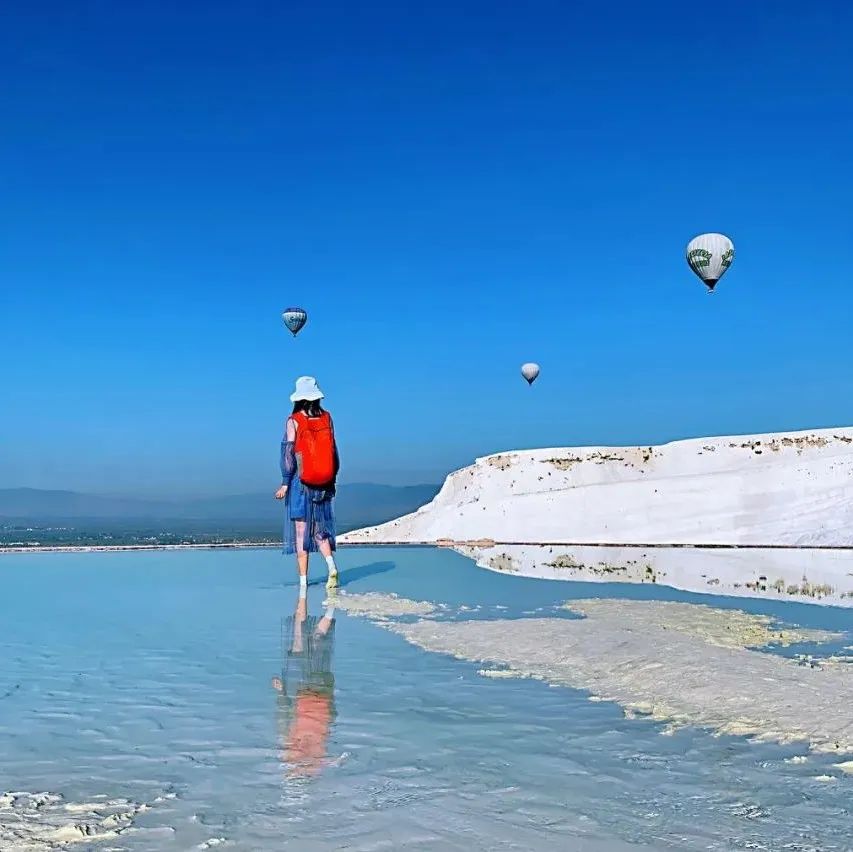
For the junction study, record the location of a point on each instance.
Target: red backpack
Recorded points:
(315, 449)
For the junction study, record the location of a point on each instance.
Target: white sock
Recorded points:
(303, 582)
(333, 569)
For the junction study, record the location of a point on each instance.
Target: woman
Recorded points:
(309, 468)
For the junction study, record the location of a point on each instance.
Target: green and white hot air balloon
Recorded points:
(709, 256)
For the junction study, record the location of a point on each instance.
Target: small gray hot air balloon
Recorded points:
(294, 319)
(709, 256)
(530, 372)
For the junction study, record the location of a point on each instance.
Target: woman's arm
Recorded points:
(288, 457)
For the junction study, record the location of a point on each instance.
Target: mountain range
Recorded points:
(357, 504)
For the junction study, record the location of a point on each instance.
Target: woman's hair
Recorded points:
(310, 407)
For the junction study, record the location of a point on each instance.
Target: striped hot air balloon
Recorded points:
(294, 319)
(530, 372)
(709, 256)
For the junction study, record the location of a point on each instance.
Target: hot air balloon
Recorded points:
(294, 319)
(709, 256)
(530, 372)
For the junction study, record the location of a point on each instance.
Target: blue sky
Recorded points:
(449, 189)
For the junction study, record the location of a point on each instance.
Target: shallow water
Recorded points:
(150, 676)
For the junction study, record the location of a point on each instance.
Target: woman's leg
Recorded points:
(301, 553)
(325, 548)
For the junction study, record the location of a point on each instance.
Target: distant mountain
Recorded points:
(37, 505)
(358, 504)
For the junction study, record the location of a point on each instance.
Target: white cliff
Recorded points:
(777, 489)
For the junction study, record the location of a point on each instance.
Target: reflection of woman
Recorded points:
(306, 688)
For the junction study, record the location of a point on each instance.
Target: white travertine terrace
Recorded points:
(791, 489)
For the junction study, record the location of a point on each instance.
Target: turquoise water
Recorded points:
(151, 676)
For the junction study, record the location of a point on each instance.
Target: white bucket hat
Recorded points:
(307, 389)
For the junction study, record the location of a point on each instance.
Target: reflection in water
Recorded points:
(306, 688)
(781, 575)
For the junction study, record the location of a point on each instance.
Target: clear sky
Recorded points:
(449, 189)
